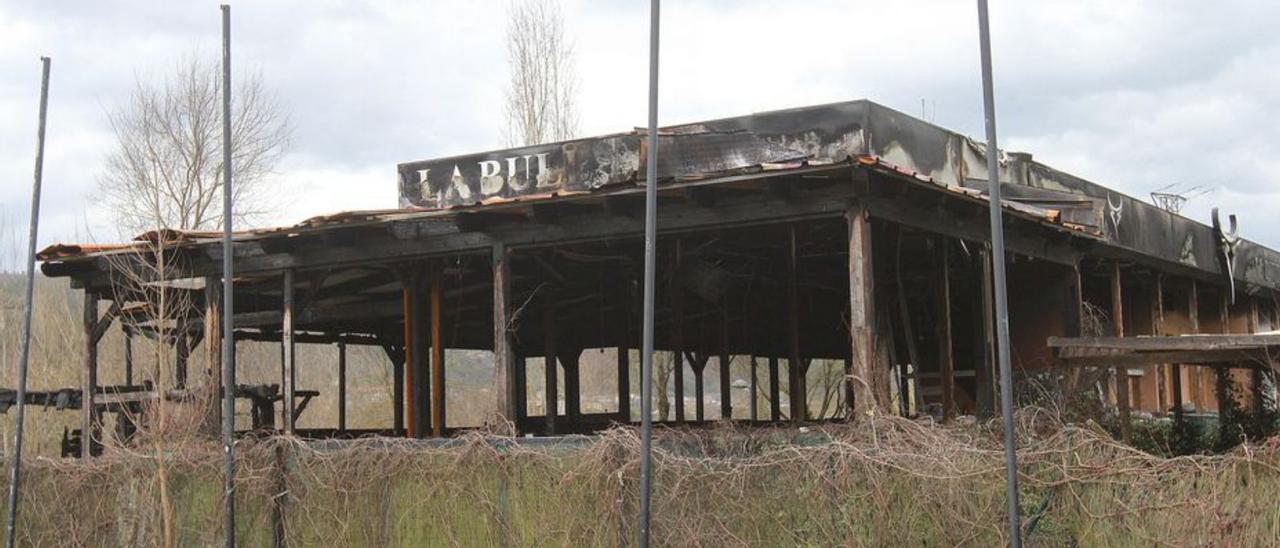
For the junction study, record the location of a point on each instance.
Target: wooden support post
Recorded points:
(726, 397)
(420, 354)
(437, 399)
(677, 331)
(754, 402)
(1255, 374)
(405, 390)
(1122, 373)
(342, 386)
(1222, 374)
(775, 397)
(946, 363)
(985, 319)
(89, 376)
(699, 364)
(551, 366)
(503, 329)
(128, 357)
(182, 354)
(569, 359)
(624, 339)
(213, 351)
(397, 393)
(1157, 328)
(871, 390)
(286, 341)
(520, 378)
(796, 370)
(1193, 318)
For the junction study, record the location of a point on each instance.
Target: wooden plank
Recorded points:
(1157, 328)
(569, 360)
(625, 336)
(420, 353)
(437, 354)
(1188, 357)
(946, 361)
(755, 398)
(89, 376)
(1122, 376)
(342, 386)
(985, 375)
(1166, 343)
(503, 329)
(286, 332)
(871, 391)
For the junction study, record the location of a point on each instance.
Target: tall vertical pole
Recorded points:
(15, 461)
(1001, 291)
(228, 303)
(650, 258)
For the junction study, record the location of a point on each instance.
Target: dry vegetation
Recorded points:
(886, 481)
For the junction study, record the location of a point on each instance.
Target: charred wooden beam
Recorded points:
(1122, 375)
(551, 386)
(726, 404)
(342, 386)
(503, 335)
(946, 362)
(677, 328)
(437, 399)
(286, 331)
(569, 358)
(871, 390)
(89, 376)
(795, 363)
(775, 397)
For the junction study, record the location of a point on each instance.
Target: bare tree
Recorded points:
(543, 93)
(166, 169)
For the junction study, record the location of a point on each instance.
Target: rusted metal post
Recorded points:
(796, 365)
(726, 403)
(871, 391)
(550, 366)
(437, 399)
(24, 352)
(946, 362)
(1122, 373)
(286, 341)
(503, 345)
(775, 397)
(342, 386)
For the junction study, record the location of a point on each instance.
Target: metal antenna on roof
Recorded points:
(650, 262)
(228, 303)
(1170, 199)
(15, 460)
(1001, 291)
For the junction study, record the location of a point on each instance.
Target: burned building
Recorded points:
(847, 232)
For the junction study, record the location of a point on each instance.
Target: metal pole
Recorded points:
(1001, 293)
(650, 262)
(15, 461)
(228, 303)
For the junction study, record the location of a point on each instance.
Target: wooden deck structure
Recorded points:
(846, 232)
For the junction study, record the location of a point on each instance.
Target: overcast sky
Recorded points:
(1135, 95)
